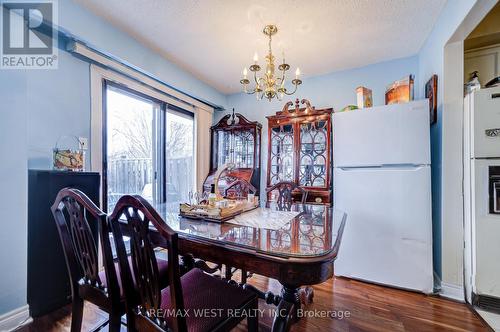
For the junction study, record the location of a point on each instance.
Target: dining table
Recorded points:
(296, 246)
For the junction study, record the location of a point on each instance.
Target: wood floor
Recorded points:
(369, 307)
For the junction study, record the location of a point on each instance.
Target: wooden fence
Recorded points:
(135, 176)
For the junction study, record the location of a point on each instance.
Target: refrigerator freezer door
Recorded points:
(393, 134)
(486, 123)
(486, 228)
(388, 234)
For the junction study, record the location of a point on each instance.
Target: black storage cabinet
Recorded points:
(48, 280)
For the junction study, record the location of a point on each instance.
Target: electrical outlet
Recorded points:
(84, 143)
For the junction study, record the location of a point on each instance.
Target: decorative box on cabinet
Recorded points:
(300, 149)
(235, 139)
(48, 280)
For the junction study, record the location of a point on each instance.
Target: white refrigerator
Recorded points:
(482, 197)
(382, 180)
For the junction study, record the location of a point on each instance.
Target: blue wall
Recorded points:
(335, 90)
(13, 190)
(431, 61)
(59, 104)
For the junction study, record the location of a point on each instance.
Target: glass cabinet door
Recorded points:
(243, 143)
(223, 145)
(236, 146)
(282, 160)
(313, 154)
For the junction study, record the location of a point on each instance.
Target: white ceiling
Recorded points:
(216, 39)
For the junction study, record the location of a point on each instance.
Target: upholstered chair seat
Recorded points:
(204, 292)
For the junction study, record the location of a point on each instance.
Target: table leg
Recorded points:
(306, 295)
(291, 295)
(286, 312)
(282, 319)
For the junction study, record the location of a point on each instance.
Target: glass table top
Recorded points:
(311, 233)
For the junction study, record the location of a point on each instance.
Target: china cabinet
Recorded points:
(235, 139)
(300, 150)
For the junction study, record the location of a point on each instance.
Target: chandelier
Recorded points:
(271, 84)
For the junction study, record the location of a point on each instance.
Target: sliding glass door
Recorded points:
(131, 140)
(179, 154)
(148, 148)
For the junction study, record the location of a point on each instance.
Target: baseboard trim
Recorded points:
(15, 319)
(452, 291)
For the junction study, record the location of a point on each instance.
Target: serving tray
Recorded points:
(216, 214)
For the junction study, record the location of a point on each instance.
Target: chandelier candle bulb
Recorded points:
(297, 72)
(255, 58)
(245, 72)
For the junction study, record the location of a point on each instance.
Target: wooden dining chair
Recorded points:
(151, 308)
(239, 189)
(73, 211)
(285, 191)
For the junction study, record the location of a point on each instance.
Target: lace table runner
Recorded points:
(264, 218)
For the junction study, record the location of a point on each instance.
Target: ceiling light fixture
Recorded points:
(269, 85)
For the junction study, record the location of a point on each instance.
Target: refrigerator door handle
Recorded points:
(384, 166)
(358, 168)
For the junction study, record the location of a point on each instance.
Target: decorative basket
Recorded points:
(68, 159)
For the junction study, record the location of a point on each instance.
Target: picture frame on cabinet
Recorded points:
(400, 91)
(431, 93)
